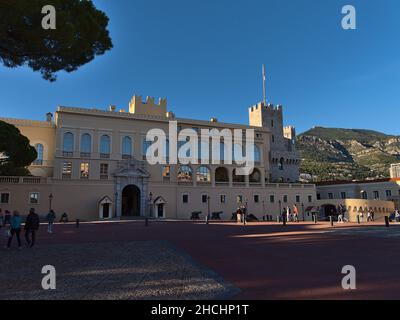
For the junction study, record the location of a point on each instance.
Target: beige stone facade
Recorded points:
(93, 164)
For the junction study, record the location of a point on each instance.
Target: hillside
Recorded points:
(347, 154)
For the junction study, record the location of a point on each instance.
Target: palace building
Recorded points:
(92, 164)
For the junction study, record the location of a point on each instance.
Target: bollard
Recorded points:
(387, 222)
(77, 223)
(331, 219)
(146, 222)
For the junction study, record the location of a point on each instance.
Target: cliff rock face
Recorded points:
(347, 154)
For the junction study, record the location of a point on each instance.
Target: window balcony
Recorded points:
(86, 154)
(68, 154)
(126, 157)
(66, 176)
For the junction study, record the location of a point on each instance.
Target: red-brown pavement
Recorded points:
(268, 260)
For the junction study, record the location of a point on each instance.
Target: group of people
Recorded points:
(12, 225)
(290, 214)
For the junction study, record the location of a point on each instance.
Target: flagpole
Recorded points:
(264, 85)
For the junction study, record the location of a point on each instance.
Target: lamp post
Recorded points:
(245, 211)
(263, 203)
(116, 204)
(150, 205)
(302, 211)
(280, 209)
(50, 200)
(208, 209)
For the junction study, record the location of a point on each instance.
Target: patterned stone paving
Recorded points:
(141, 270)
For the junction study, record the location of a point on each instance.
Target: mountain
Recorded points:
(347, 154)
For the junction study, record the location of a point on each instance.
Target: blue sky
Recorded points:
(206, 56)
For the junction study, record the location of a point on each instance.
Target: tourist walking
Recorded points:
(397, 215)
(31, 227)
(369, 216)
(51, 217)
(64, 218)
(361, 216)
(296, 213)
(15, 229)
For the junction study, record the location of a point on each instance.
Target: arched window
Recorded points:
(105, 146)
(39, 149)
(255, 177)
(86, 144)
(68, 143)
(238, 178)
(203, 174)
(221, 175)
(126, 147)
(185, 174)
(222, 152)
(257, 154)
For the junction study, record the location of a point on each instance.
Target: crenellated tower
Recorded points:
(284, 158)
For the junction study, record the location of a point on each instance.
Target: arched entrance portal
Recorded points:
(131, 201)
(329, 210)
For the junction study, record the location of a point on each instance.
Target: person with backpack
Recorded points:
(15, 225)
(51, 217)
(31, 227)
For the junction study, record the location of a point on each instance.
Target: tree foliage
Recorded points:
(81, 34)
(15, 151)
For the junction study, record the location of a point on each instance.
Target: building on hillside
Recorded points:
(92, 164)
(395, 170)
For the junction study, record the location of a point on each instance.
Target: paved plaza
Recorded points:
(185, 260)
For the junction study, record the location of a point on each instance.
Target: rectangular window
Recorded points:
(343, 195)
(185, 198)
(166, 173)
(318, 196)
(223, 198)
(239, 199)
(4, 198)
(204, 198)
(298, 200)
(34, 198)
(104, 171)
(310, 199)
(67, 170)
(285, 199)
(256, 198)
(376, 195)
(330, 196)
(84, 170)
(272, 198)
(388, 193)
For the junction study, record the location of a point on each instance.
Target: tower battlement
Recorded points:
(260, 106)
(148, 107)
